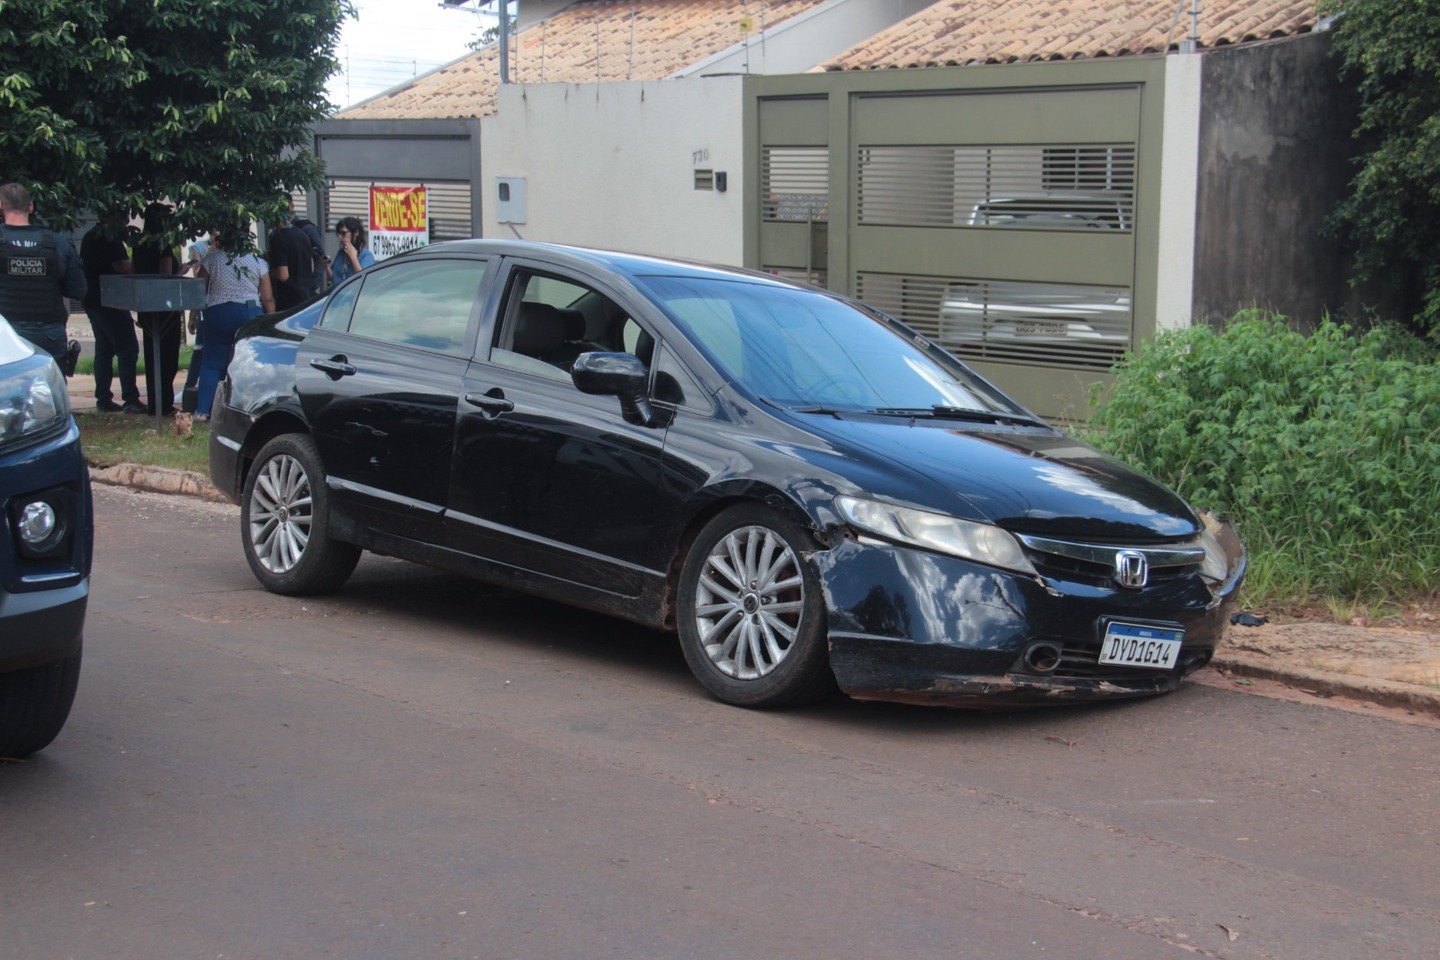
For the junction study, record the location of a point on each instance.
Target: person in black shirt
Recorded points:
(116, 347)
(320, 260)
(161, 330)
(291, 266)
(39, 269)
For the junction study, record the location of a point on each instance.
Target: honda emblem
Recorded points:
(1131, 569)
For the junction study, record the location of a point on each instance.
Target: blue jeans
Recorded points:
(217, 341)
(115, 345)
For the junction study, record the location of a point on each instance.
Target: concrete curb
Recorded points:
(158, 480)
(1385, 693)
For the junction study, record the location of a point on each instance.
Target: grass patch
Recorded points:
(86, 365)
(113, 438)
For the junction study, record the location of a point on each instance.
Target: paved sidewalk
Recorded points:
(1387, 667)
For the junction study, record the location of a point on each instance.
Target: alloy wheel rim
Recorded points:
(281, 514)
(748, 602)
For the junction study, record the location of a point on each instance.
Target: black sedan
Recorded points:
(808, 492)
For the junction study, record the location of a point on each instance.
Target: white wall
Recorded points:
(799, 43)
(1179, 185)
(613, 165)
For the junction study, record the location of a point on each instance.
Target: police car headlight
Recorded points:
(981, 542)
(33, 398)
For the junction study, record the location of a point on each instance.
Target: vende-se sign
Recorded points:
(399, 220)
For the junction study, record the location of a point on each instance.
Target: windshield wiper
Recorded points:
(943, 412)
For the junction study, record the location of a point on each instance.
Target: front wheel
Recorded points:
(751, 616)
(285, 521)
(34, 704)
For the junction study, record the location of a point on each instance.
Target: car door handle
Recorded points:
(334, 368)
(493, 403)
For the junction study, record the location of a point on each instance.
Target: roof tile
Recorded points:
(959, 32)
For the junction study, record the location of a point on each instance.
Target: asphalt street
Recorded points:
(421, 767)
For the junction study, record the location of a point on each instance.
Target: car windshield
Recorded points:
(809, 351)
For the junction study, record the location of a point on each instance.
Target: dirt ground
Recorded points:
(1385, 653)
(1387, 663)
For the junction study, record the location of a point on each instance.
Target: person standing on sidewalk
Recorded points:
(321, 273)
(354, 255)
(236, 289)
(193, 321)
(116, 346)
(292, 266)
(39, 269)
(161, 330)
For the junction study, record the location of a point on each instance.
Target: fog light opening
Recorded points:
(37, 524)
(1042, 657)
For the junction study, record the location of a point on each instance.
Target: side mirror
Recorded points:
(622, 375)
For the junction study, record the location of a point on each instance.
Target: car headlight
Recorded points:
(33, 399)
(980, 542)
(1221, 547)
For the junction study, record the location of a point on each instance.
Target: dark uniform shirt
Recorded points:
(38, 270)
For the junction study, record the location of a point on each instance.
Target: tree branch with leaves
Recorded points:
(1391, 219)
(208, 104)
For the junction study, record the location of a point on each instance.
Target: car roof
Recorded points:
(627, 264)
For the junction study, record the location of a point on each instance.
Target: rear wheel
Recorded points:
(751, 617)
(285, 521)
(34, 705)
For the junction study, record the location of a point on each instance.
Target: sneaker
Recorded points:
(107, 406)
(132, 408)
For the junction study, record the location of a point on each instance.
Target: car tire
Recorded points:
(34, 704)
(751, 617)
(285, 521)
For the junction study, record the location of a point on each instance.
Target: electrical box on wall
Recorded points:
(510, 199)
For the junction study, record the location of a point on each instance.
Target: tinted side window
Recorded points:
(341, 305)
(551, 321)
(422, 303)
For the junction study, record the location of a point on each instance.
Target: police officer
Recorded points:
(38, 270)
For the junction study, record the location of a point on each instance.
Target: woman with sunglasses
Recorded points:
(354, 256)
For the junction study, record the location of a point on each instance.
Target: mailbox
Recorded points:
(145, 293)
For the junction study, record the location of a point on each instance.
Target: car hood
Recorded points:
(1026, 480)
(12, 347)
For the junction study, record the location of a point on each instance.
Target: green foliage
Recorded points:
(1325, 449)
(491, 34)
(110, 104)
(1392, 216)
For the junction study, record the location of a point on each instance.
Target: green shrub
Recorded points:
(1324, 449)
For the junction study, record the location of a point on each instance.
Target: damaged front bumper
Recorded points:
(912, 626)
